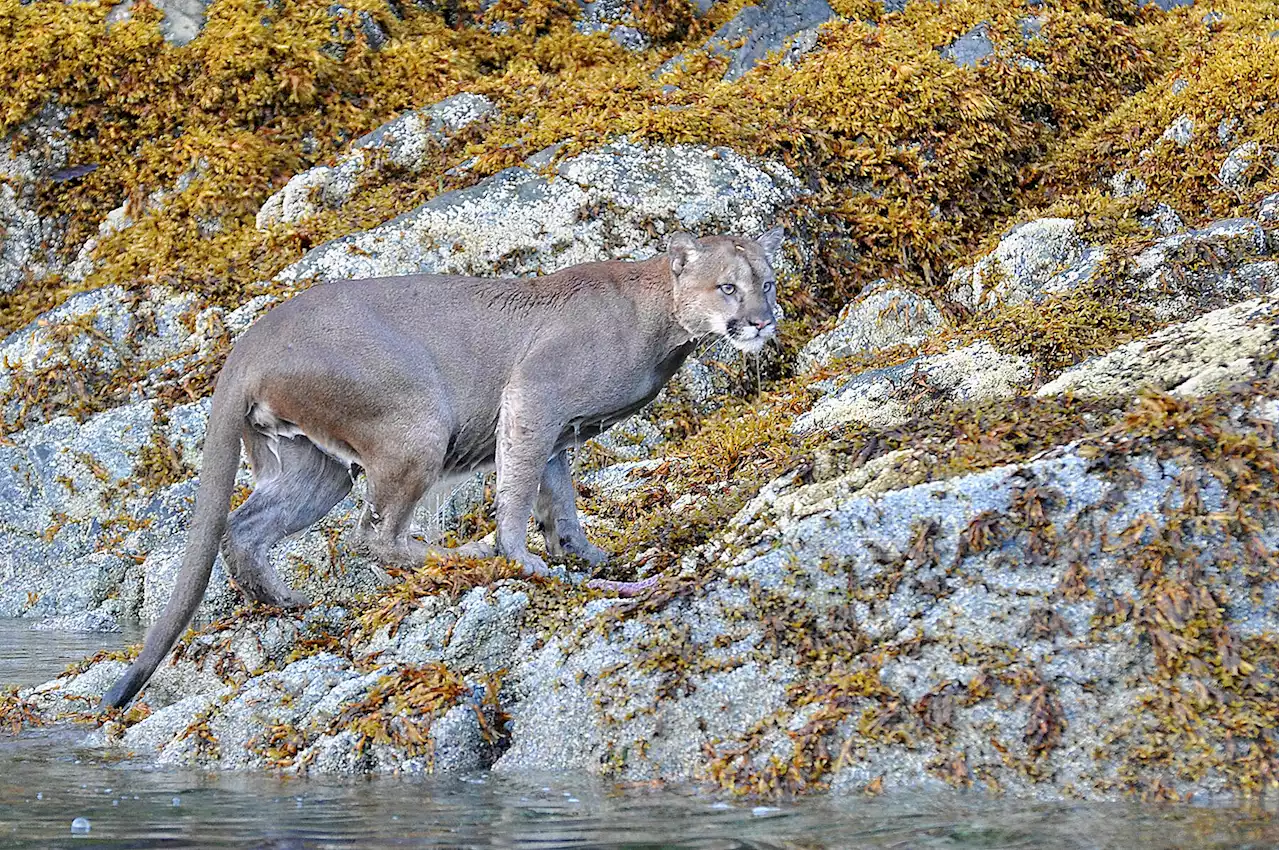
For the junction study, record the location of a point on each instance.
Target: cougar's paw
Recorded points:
(278, 597)
(584, 549)
(478, 549)
(623, 588)
(531, 565)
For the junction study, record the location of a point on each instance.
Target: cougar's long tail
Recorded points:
(217, 480)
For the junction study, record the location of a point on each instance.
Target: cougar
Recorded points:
(415, 378)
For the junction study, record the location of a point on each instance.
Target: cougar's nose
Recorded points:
(761, 324)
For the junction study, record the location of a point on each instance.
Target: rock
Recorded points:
(405, 140)
(485, 637)
(1163, 220)
(518, 222)
(75, 692)
(1228, 129)
(344, 36)
(971, 49)
(1041, 256)
(182, 21)
(557, 690)
(1191, 273)
(883, 398)
(1189, 359)
(616, 481)
(1267, 210)
(629, 38)
(765, 27)
(1125, 185)
(1237, 163)
(1164, 5)
(1181, 130)
(78, 464)
(612, 17)
(883, 319)
(404, 143)
(634, 438)
(84, 621)
(160, 574)
(31, 243)
(785, 500)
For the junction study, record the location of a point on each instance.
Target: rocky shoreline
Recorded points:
(1014, 529)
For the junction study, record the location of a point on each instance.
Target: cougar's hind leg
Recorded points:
(556, 513)
(397, 482)
(297, 484)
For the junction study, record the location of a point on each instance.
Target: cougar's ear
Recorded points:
(771, 242)
(681, 249)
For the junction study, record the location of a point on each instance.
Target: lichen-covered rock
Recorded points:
(886, 397)
(1045, 255)
(1190, 359)
(885, 318)
(403, 143)
(519, 222)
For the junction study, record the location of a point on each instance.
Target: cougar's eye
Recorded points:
(769, 285)
(728, 288)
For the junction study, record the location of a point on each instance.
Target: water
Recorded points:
(47, 782)
(29, 658)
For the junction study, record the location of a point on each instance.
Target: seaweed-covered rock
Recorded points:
(73, 358)
(612, 17)
(886, 317)
(1190, 273)
(1045, 255)
(402, 143)
(29, 242)
(886, 397)
(763, 28)
(1193, 358)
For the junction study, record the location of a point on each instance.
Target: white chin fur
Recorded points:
(750, 346)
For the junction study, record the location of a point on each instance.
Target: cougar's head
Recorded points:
(725, 285)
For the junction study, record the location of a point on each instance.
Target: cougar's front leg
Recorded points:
(526, 439)
(556, 513)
